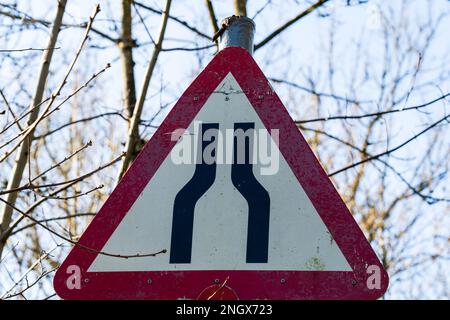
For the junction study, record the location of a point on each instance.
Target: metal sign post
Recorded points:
(236, 31)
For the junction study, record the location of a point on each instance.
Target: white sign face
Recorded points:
(297, 237)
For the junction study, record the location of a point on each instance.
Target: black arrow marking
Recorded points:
(257, 197)
(187, 197)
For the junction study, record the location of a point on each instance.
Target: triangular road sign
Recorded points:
(226, 200)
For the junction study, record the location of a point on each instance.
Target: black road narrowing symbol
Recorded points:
(242, 178)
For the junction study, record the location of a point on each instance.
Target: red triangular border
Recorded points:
(247, 284)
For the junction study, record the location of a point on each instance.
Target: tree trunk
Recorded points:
(22, 155)
(133, 132)
(126, 45)
(240, 7)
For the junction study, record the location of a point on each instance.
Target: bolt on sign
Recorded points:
(226, 201)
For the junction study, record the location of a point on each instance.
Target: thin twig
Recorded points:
(29, 49)
(57, 92)
(71, 181)
(106, 114)
(319, 94)
(92, 250)
(183, 23)
(47, 112)
(189, 49)
(65, 217)
(81, 194)
(65, 186)
(390, 150)
(218, 289)
(31, 268)
(87, 145)
(10, 110)
(427, 198)
(289, 23)
(375, 114)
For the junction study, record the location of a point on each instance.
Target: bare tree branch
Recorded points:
(289, 23)
(126, 44)
(28, 49)
(183, 23)
(16, 174)
(133, 132)
(390, 150)
(375, 114)
(212, 15)
(240, 7)
(92, 250)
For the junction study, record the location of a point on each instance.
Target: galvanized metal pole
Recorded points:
(237, 31)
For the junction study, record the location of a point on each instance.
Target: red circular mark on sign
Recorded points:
(218, 292)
